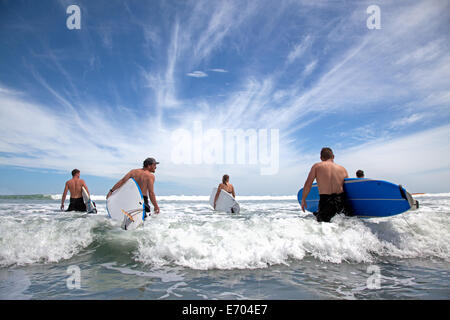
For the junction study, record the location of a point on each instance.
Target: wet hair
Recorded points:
(360, 174)
(225, 178)
(74, 172)
(326, 153)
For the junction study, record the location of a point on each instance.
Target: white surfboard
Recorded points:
(126, 205)
(90, 205)
(225, 202)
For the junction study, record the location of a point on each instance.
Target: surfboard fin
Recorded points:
(414, 204)
(128, 215)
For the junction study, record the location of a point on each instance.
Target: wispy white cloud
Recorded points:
(414, 160)
(310, 68)
(163, 82)
(357, 80)
(423, 54)
(197, 74)
(299, 49)
(223, 18)
(36, 136)
(404, 159)
(8, 91)
(396, 68)
(408, 120)
(218, 70)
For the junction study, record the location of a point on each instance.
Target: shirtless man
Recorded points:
(145, 178)
(330, 181)
(76, 198)
(225, 185)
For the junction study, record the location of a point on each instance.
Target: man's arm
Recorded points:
(307, 187)
(119, 183)
(232, 192)
(66, 188)
(151, 193)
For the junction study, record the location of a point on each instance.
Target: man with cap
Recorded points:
(145, 178)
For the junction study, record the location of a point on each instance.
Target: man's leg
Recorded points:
(77, 204)
(326, 209)
(146, 206)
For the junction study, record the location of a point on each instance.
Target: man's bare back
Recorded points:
(145, 179)
(74, 186)
(330, 182)
(76, 197)
(330, 177)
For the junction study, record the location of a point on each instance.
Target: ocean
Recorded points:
(270, 250)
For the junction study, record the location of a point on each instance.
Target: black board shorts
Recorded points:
(330, 205)
(76, 204)
(146, 206)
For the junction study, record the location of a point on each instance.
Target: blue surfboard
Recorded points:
(368, 198)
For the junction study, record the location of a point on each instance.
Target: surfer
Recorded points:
(360, 174)
(330, 181)
(145, 178)
(226, 186)
(74, 185)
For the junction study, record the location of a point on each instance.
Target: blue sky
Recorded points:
(105, 97)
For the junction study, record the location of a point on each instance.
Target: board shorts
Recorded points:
(76, 204)
(146, 206)
(330, 205)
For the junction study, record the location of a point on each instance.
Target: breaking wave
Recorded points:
(189, 234)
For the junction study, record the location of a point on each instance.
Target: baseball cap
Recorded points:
(149, 162)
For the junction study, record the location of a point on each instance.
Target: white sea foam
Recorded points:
(93, 197)
(200, 198)
(189, 234)
(421, 195)
(41, 238)
(253, 243)
(55, 196)
(193, 198)
(238, 197)
(257, 241)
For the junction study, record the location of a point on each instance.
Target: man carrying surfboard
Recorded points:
(330, 181)
(75, 186)
(145, 178)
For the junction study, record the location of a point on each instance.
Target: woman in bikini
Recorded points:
(225, 185)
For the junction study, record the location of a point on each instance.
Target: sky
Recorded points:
(168, 79)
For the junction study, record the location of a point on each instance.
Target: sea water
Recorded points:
(270, 250)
